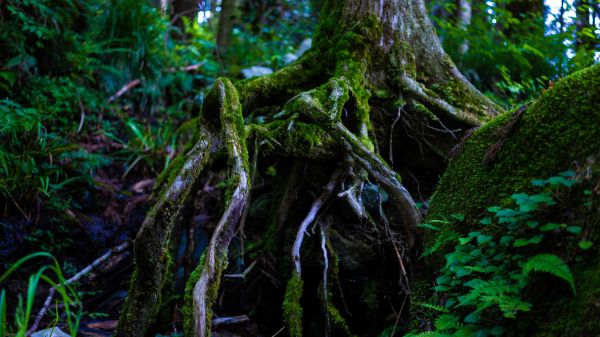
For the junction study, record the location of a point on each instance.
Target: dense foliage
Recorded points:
(486, 273)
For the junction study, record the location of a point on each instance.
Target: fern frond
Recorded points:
(550, 263)
(434, 307)
(427, 334)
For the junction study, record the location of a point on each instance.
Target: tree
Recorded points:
(373, 64)
(226, 18)
(464, 13)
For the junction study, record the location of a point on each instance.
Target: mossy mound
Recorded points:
(559, 129)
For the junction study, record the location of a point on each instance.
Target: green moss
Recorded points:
(211, 295)
(561, 130)
(213, 291)
(292, 310)
(457, 95)
(338, 322)
(401, 60)
(283, 84)
(294, 138)
(187, 310)
(561, 127)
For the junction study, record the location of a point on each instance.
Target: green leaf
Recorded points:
(481, 239)
(574, 229)
(428, 226)
(464, 241)
(494, 209)
(550, 227)
(520, 243)
(550, 263)
(543, 198)
(567, 173)
(585, 244)
(446, 322)
(506, 239)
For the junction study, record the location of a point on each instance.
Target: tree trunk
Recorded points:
(464, 20)
(375, 95)
(226, 20)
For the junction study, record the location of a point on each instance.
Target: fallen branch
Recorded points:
(118, 249)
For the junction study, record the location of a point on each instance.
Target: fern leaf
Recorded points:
(550, 263)
(427, 334)
(434, 307)
(447, 322)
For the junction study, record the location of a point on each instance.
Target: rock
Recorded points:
(256, 71)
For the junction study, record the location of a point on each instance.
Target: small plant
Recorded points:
(23, 311)
(482, 283)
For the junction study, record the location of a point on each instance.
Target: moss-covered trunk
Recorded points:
(376, 95)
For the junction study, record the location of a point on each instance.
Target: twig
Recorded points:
(310, 217)
(244, 273)
(220, 321)
(391, 152)
(124, 89)
(82, 119)
(325, 271)
(75, 278)
(192, 67)
(278, 331)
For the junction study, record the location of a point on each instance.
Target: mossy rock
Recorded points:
(559, 131)
(560, 128)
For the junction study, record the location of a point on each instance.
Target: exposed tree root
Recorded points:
(310, 217)
(318, 108)
(206, 289)
(151, 247)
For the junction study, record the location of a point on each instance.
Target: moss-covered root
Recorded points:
(223, 101)
(441, 107)
(386, 177)
(282, 84)
(292, 310)
(151, 246)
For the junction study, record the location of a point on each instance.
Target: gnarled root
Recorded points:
(151, 246)
(215, 260)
